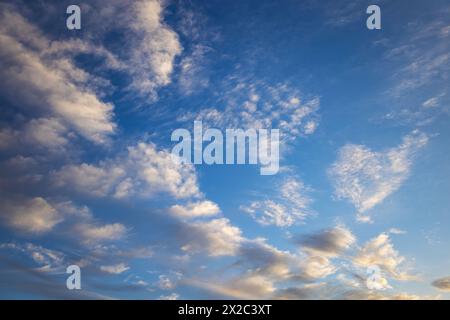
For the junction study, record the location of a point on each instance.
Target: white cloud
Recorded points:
(172, 296)
(380, 252)
(290, 206)
(49, 84)
(143, 172)
(258, 105)
(396, 231)
(154, 50)
(431, 103)
(264, 259)
(192, 72)
(92, 232)
(33, 215)
(168, 282)
(322, 246)
(48, 133)
(196, 209)
(39, 216)
(216, 237)
(46, 259)
(115, 269)
(317, 267)
(366, 178)
(247, 286)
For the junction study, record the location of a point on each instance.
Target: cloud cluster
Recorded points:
(218, 237)
(62, 93)
(289, 207)
(258, 105)
(329, 264)
(39, 216)
(151, 60)
(144, 172)
(321, 248)
(46, 259)
(380, 251)
(366, 177)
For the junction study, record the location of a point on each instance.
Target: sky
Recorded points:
(87, 175)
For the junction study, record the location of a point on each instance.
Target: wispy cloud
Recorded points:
(366, 177)
(115, 269)
(290, 206)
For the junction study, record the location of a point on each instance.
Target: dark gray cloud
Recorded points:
(328, 242)
(442, 283)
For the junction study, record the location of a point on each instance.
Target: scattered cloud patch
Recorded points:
(115, 269)
(366, 177)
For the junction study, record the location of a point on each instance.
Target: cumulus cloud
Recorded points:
(49, 83)
(144, 171)
(265, 259)
(317, 267)
(329, 242)
(320, 248)
(91, 232)
(41, 134)
(31, 215)
(38, 216)
(262, 271)
(218, 237)
(66, 97)
(366, 177)
(49, 133)
(249, 286)
(380, 252)
(290, 206)
(373, 295)
(204, 208)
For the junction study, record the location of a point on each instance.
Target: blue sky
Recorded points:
(87, 176)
